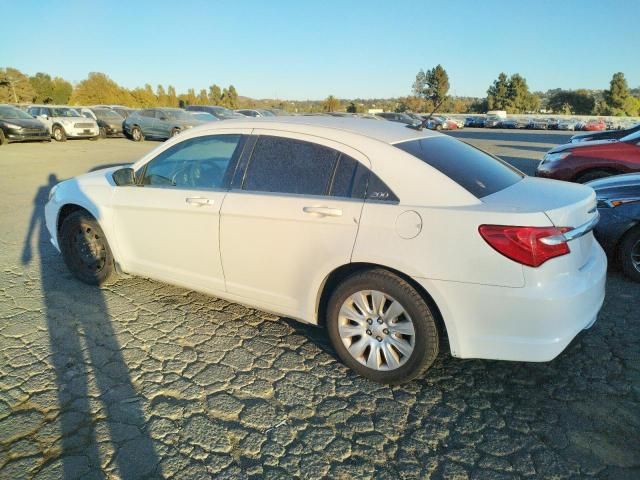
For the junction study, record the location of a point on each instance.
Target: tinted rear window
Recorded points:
(479, 173)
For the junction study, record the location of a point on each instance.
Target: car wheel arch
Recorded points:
(333, 279)
(608, 169)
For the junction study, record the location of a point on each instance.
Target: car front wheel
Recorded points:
(85, 249)
(58, 134)
(381, 327)
(629, 254)
(136, 134)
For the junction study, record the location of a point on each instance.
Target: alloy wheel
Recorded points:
(376, 330)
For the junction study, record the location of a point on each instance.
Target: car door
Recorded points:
(162, 125)
(167, 225)
(147, 121)
(281, 230)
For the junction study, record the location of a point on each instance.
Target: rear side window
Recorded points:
(478, 172)
(285, 165)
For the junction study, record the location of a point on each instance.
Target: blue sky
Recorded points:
(310, 49)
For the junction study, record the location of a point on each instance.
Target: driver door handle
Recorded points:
(323, 211)
(199, 201)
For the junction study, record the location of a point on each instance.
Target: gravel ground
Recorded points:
(145, 380)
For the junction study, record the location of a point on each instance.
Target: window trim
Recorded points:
(227, 179)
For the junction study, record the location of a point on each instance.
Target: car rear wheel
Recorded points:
(592, 175)
(629, 254)
(136, 134)
(3, 139)
(381, 327)
(85, 249)
(438, 127)
(174, 132)
(58, 134)
(103, 132)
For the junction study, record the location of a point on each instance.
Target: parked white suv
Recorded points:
(388, 236)
(65, 122)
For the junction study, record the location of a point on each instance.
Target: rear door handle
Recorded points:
(199, 201)
(323, 211)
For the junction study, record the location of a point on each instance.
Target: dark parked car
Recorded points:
(399, 117)
(492, 121)
(608, 134)
(516, 123)
(109, 121)
(18, 126)
(255, 112)
(586, 161)
(160, 123)
(619, 228)
(220, 113)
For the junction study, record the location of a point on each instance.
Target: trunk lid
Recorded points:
(565, 204)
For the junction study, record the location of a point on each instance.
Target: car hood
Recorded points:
(24, 122)
(581, 145)
(617, 185)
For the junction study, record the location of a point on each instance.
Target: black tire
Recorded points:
(85, 249)
(174, 132)
(58, 133)
(592, 175)
(438, 127)
(136, 134)
(103, 132)
(426, 339)
(629, 254)
(93, 139)
(3, 139)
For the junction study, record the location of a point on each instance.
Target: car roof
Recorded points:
(388, 132)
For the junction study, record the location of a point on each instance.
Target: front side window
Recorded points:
(285, 165)
(147, 113)
(197, 163)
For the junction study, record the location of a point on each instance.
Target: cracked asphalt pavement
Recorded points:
(144, 380)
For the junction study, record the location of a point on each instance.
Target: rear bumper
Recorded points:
(534, 323)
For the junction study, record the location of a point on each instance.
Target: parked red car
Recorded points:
(595, 125)
(586, 161)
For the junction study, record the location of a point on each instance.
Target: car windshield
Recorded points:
(177, 115)
(206, 116)
(107, 114)
(476, 171)
(631, 137)
(7, 113)
(64, 112)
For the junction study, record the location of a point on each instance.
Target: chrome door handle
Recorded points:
(199, 201)
(323, 211)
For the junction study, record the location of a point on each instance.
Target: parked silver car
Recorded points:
(65, 122)
(159, 123)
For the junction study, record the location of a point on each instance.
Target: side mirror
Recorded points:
(124, 177)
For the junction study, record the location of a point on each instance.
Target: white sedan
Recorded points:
(387, 235)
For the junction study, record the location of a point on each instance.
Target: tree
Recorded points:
(331, 104)
(215, 94)
(618, 99)
(61, 91)
(232, 95)
(171, 96)
(98, 88)
(498, 93)
(511, 94)
(618, 92)
(203, 99)
(432, 85)
(15, 86)
(572, 102)
(163, 99)
(43, 88)
(352, 108)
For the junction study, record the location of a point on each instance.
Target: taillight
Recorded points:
(524, 244)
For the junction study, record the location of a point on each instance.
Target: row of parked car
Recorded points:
(609, 162)
(572, 124)
(43, 122)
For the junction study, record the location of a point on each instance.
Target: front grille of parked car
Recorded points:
(33, 130)
(83, 125)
